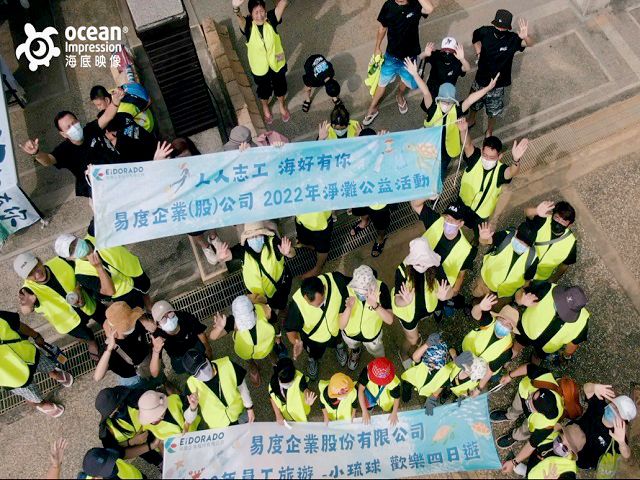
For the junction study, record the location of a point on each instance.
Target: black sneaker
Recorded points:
(498, 416)
(505, 441)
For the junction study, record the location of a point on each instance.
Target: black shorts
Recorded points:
(381, 219)
(142, 283)
(312, 82)
(316, 350)
(272, 83)
(319, 240)
(283, 289)
(82, 332)
(134, 299)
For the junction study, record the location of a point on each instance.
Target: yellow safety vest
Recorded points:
(143, 118)
(124, 470)
(254, 278)
(121, 258)
(472, 189)
(344, 410)
(426, 383)
(165, 429)
(16, 355)
(465, 387)
(453, 262)
(265, 51)
(538, 421)
(562, 464)
(123, 430)
(352, 130)
(213, 411)
(295, 409)
(377, 206)
(453, 142)
(53, 306)
(315, 222)
(363, 320)
(537, 318)
(477, 342)
(551, 255)
(385, 400)
(408, 312)
(499, 275)
(265, 334)
(318, 326)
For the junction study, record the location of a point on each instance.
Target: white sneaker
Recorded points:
(520, 469)
(210, 255)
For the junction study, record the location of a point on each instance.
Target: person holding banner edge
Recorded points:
(291, 398)
(339, 397)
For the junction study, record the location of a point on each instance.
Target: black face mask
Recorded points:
(498, 33)
(557, 228)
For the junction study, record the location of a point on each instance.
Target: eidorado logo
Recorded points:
(38, 47)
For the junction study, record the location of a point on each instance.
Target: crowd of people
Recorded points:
(528, 320)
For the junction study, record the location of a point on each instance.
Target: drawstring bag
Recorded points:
(373, 73)
(608, 463)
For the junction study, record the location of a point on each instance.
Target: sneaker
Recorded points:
(341, 355)
(498, 416)
(354, 358)
(505, 441)
(312, 368)
(210, 255)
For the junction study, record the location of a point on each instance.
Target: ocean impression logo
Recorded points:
(38, 47)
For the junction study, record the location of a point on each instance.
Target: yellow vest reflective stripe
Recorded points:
(121, 258)
(408, 312)
(122, 283)
(363, 320)
(537, 421)
(313, 315)
(452, 263)
(254, 279)
(165, 429)
(562, 465)
(377, 206)
(427, 385)
(472, 188)
(451, 131)
(53, 306)
(344, 410)
(143, 118)
(551, 256)
(465, 387)
(126, 470)
(537, 318)
(477, 342)
(265, 51)
(295, 409)
(123, 430)
(499, 275)
(385, 400)
(352, 130)
(213, 411)
(15, 357)
(316, 222)
(265, 333)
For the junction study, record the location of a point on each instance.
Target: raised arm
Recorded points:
(32, 147)
(242, 21)
(412, 68)
(112, 109)
(427, 6)
(280, 8)
(460, 56)
(519, 148)
(523, 33)
(475, 96)
(463, 126)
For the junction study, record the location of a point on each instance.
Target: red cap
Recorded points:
(381, 371)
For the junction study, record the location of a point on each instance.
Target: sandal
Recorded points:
(368, 120)
(95, 357)
(268, 119)
(337, 102)
(286, 117)
(51, 409)
(67, 379)
(306, 105)
(378, 248)
(404, 108)
(357, 229)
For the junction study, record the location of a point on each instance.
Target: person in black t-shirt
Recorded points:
(495, 47)
(447, 64)
(318, 72)
(82, 147)
(399, 20)
(132, 143)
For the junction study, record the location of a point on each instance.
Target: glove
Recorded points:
(429, 405)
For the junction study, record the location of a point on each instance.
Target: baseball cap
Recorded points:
(63, 243)
(108, 399)
(238, 135)
(121, 317)
(381, 371)
(455, 210)
(151, 406)
(569, 302)
(545, 403)
(100, 462)
(243, 312)
(448, 43)
(339, 382)
(160, 309)
(574, 437)
(193, 360)
(24, 264)
(503, 19)
(626, 407)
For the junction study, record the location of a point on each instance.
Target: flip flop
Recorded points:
(268, 119)
(52, 410)
(368, 120)
(404, 108)
(378, 248)
(286, 117)
(306, 105)
(357, 229)
(67, 379)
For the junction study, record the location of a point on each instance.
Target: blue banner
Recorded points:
(456, 438)
(142, 201)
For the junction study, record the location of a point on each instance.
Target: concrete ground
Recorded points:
(578, 66)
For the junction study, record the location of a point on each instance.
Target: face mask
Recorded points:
(205, 373)
(287, 385)
(170, 324)
(445, 107)
(557, 228)
(340, 131)
(501, 331)
(256, 243)
(129, 332)
(75, 132)
(518, 246)
(609, 415)
(361, 297)
(450, 229)
(559, 448)
(488, 164)
(82, 249)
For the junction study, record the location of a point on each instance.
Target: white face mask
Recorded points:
(518, 246)
(205, 373)
(341, 131)
(170, 324)
(75, 132)
(286, 386)
(451, 229)
(420, 268)
(445, 107)
(488, 164)
(129, 332)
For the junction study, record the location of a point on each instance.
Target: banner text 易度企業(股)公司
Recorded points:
(141, 201)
